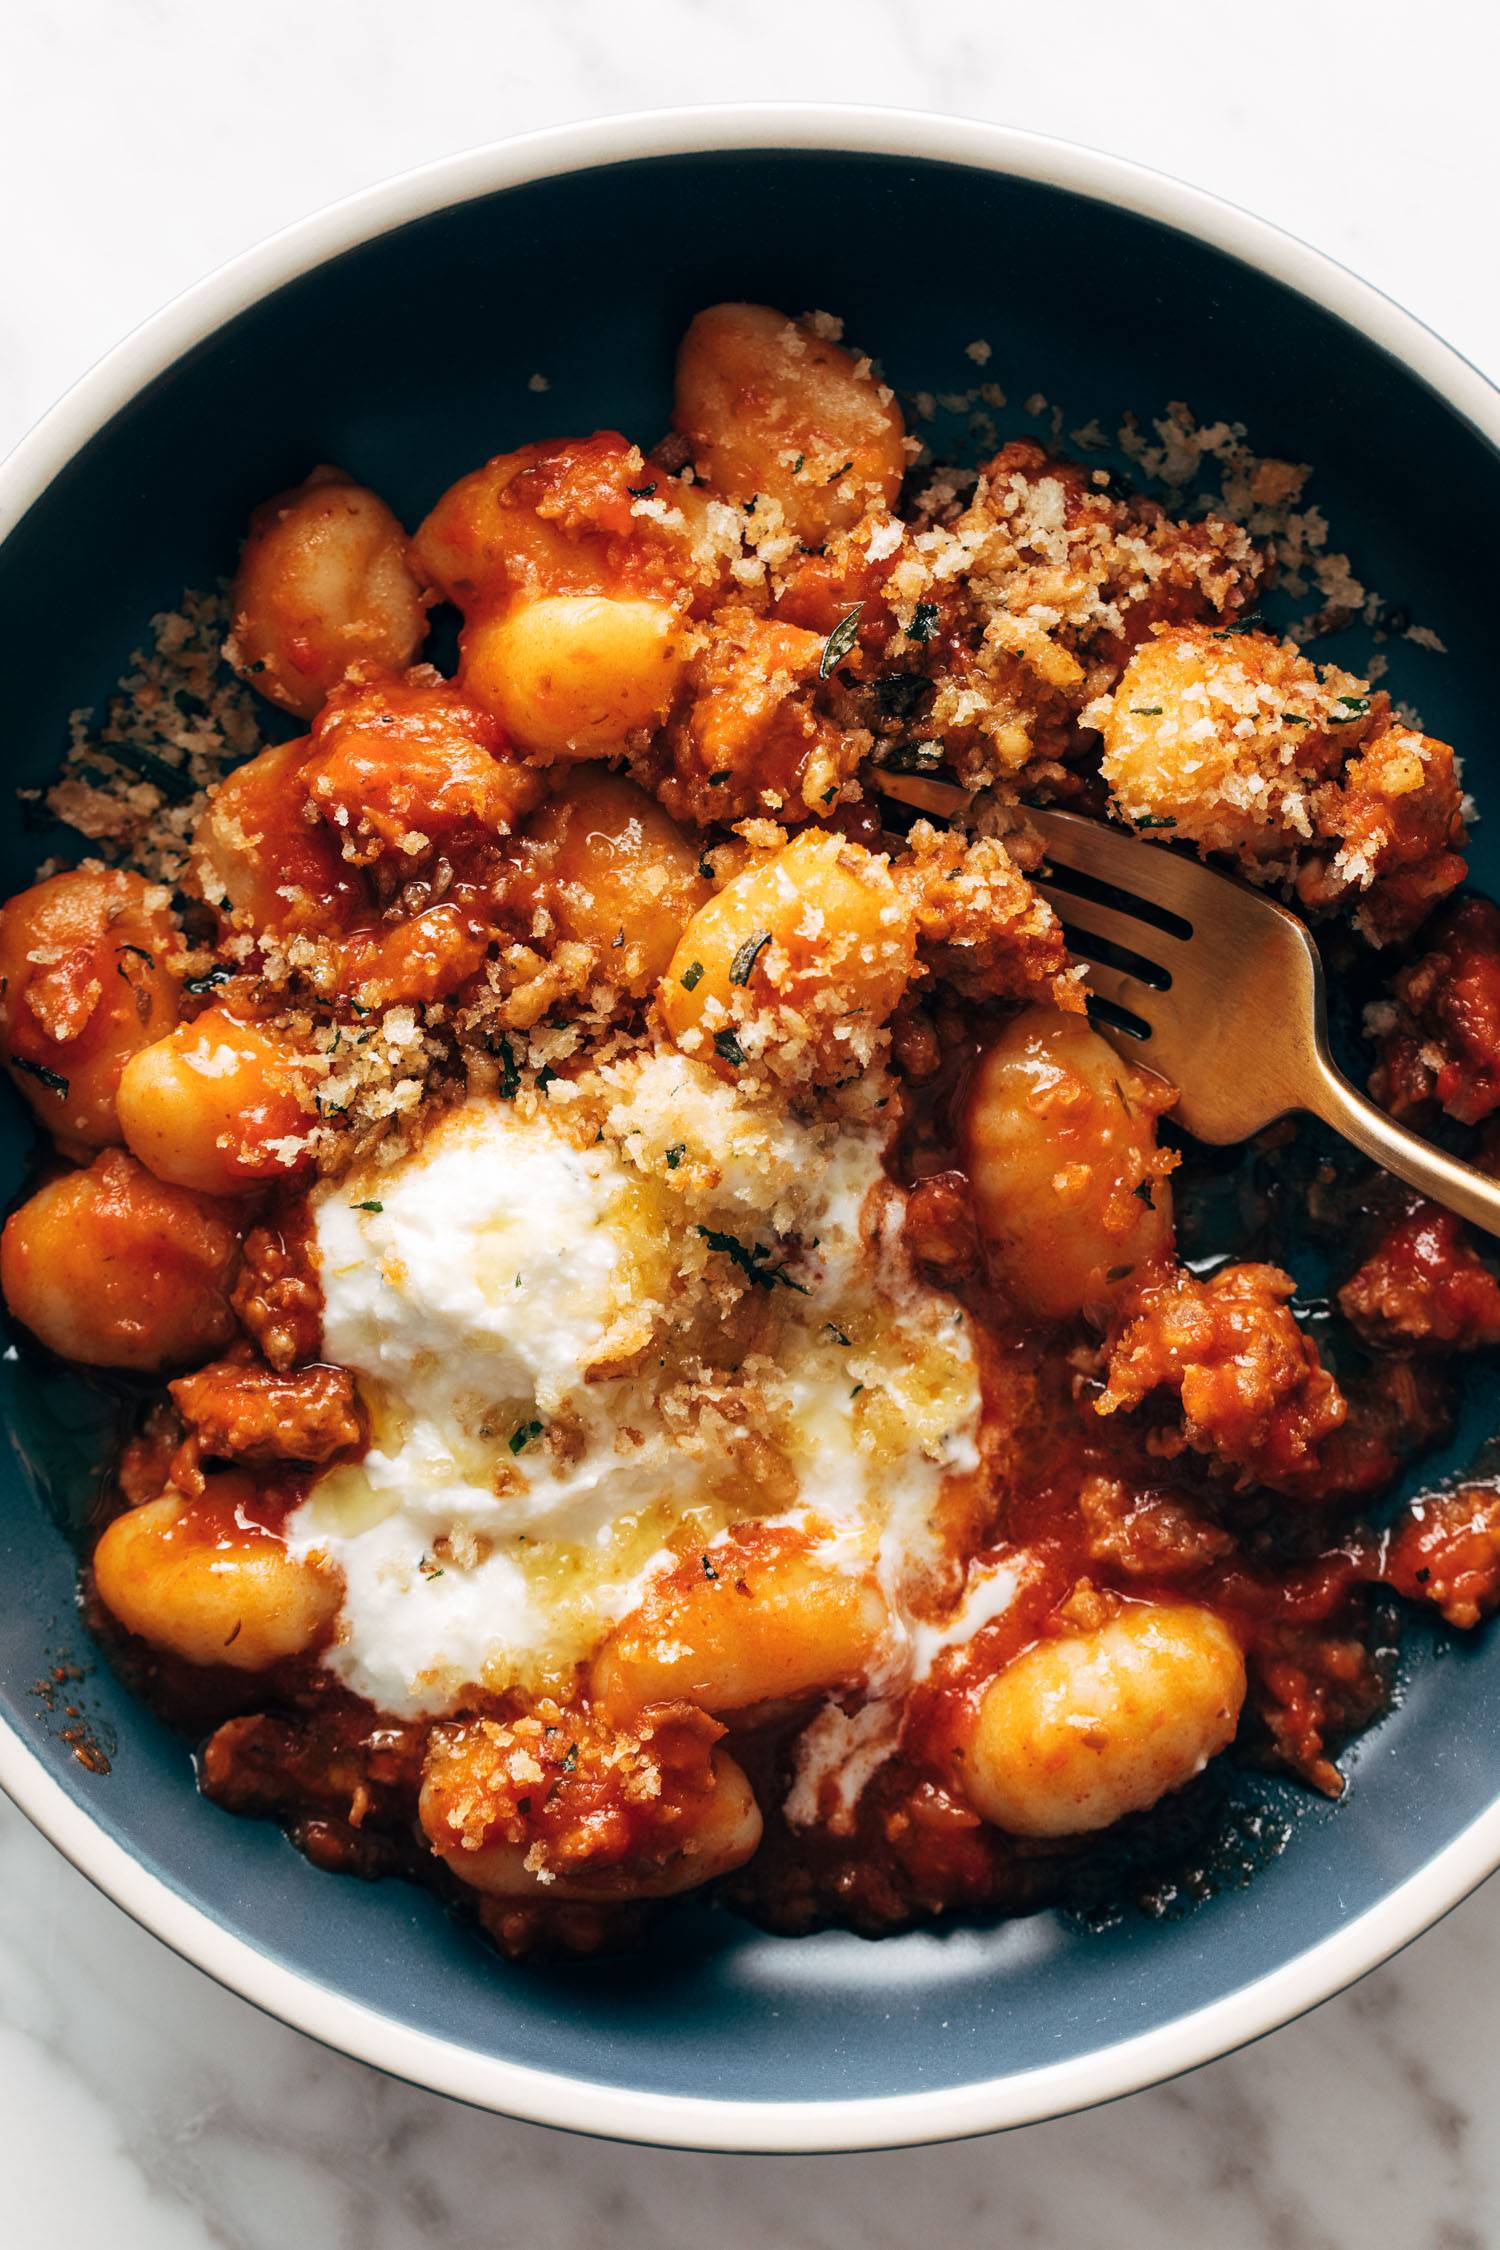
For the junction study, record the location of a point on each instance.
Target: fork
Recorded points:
(1200, 977)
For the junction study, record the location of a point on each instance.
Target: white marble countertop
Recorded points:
(145, 141)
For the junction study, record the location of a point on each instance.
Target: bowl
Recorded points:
(402, 334)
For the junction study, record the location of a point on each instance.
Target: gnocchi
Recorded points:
(797, 962)
(1059, 1138)
(201, 1579)
(218, 1106)
(773, 407)
(115, 1268)
(323, 583)
(85, 982)
(1086, 1728)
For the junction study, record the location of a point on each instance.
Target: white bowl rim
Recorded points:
(490, 2082)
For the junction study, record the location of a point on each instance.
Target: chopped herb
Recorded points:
(754, 1262)
(797, 464)
(924, 622)
(53, 1080)
(372, 1205)
(522, 1437)
(708, 1569)
(429, 1568)
(840, 641)
(570, 1757)
(675, 1155)
(692, 976)
(1354, 702)
(218, 974)
(1145, 710)
(856, 1390)
(1295, 719)
(1251, 622)
(843, 472)
(741, 967)
(510, 1076)
(1355, 707)
(828, 796)
(722, 775)
(749, 505)
(728, 1048)
(837, 1333)
(705, 868)
(518, 1281)
(1143, 1194)
(172, 781)
(640, 491)
(1153, 820)
(546, 1077)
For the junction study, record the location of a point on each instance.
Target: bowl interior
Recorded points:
(409, 360)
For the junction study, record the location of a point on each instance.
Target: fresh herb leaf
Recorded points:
(218, 974)
(1145, 710)
(797, 464)
(1295, 719)
(172, 781)
(522, 1437)
(53, 1080)
(1251, 622)
(843, 472)
(1153, 820)
(837, 1333)
(924, 622)
(1355, 707)
(510, 1075)
(728, 1047)
(692, 976)
(546, 1077)
(640, 491)
(840, 641)
(749, 505)
(705, 868)
(753, 1260)
(856, 1390)
(675, 1155)
(372, 1205)
(743, 964)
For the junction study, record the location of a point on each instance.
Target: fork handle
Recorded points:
(1457, 1186)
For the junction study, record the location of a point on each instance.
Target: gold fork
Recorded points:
(1206, 980)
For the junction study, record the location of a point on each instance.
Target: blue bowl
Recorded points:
(397, 335)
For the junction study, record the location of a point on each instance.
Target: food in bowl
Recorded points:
(665, 1350)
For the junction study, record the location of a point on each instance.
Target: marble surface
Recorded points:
(145, 141)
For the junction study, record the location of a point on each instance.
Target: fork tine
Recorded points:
(1164, 880)
(1122, 991)
(1085, 918)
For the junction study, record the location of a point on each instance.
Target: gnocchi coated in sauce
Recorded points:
(662, 1342)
